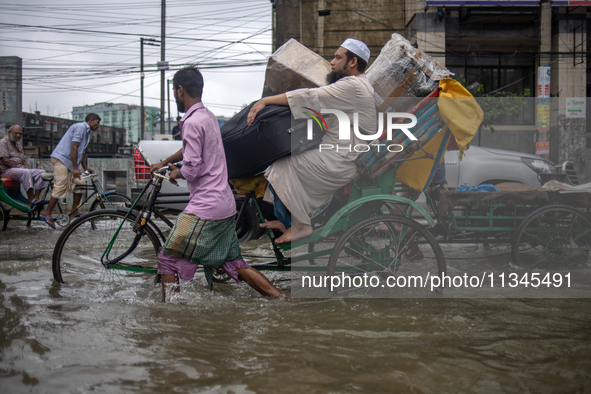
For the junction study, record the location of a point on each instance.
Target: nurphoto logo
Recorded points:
(345, 130)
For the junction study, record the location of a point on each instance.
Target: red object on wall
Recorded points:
(142, 171)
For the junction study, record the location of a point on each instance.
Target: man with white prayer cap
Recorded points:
(300, 184)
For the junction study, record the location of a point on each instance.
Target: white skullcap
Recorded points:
(357, 47)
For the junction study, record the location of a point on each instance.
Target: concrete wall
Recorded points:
(373, 22)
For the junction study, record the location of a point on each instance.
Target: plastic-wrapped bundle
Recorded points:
(293, 66)
(401, 73)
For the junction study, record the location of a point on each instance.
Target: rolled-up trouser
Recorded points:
(168, 265)
(64, 182)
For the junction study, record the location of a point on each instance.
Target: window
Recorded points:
(509, 72)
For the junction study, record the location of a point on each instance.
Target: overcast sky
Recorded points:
(79, 52)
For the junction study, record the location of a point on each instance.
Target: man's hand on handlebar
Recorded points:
(175, 173)
(157, 166)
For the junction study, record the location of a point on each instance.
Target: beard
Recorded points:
(334, 76)
(180, 106)
(12, 139)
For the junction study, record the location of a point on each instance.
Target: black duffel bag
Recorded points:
(273, 135)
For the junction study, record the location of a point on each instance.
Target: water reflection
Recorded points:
(56, 338)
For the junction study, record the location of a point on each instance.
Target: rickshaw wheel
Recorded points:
(219, 275)
(386, 256)
(552, 237)
(3, 218)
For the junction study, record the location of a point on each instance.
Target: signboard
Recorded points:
(543, 81)
(505, 3)
(543, 114)
(576, 107)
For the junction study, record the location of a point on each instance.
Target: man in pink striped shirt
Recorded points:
(204, 233)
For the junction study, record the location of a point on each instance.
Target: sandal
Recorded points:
(49, 221)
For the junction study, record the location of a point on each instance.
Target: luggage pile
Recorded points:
(401, 73)
(275, 133)
(251, 149)
(401, 76)
(293, 66)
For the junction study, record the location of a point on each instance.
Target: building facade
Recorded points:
(501, 45)
(120, 115)
(498, 44)
(41, 134)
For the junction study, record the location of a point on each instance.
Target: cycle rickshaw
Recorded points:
(11, 195)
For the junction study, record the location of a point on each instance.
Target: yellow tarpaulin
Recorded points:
(257, 184)
(462, 114)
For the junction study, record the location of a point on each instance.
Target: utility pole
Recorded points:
(144, 41)
(143, 119)
(162, 59)
(168, 82)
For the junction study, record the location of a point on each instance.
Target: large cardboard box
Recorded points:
(401, 74)
(293, 66)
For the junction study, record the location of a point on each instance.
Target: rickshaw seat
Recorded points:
(47, 176)
(10, 183)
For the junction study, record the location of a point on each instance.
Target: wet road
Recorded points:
(60, 339)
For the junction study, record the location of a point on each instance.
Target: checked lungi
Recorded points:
(210, 243)
(29, 179)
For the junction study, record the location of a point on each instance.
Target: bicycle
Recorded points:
(10, 193)
(123, 241)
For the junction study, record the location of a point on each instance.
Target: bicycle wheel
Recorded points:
(3, 218)
(111, 201)
(249, 226)
(78, 252)
(386, 256)
(552, 237)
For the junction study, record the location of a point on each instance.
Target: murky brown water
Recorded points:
(59, 339)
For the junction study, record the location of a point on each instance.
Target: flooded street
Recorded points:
(122, 338)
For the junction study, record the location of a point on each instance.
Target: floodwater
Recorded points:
(123, 339)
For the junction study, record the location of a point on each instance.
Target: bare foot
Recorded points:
(45, 214)
(74, 214)
(294, 233)
(274, 225)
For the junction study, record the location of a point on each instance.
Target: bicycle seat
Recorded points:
(47, 176)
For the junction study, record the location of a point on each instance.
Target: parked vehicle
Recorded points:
(488, 165)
